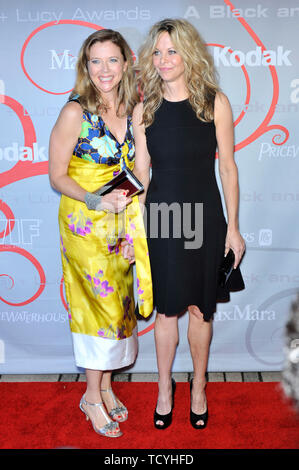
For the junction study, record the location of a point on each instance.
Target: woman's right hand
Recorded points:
(116, 201)
(128, 251)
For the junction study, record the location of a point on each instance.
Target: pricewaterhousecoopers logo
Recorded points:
(248, 313)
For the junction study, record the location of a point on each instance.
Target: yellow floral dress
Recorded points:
(98, 280)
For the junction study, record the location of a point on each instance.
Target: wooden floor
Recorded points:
(148, 377)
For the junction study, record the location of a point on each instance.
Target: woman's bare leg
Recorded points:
(93, 381)
(166, 340)
(199, 337)
(93, 395)
(107, 397)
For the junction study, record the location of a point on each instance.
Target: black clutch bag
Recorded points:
(226, 268)
(125, 180)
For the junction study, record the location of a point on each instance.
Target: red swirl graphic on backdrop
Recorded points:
(248, 88)
(22, 170)
(40, 28)
(47, 25)
(35, 263)
(9, 217)
(263, 127)
(9, 277)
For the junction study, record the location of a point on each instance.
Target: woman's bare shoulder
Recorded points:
(70, 115)
(222, 107)
(137, 112)
(221, 99)
(72, 110)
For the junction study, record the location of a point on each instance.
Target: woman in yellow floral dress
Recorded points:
(90, 143)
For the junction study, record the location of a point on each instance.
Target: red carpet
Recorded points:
(242, 416)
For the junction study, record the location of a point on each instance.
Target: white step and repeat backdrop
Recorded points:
(255, 48)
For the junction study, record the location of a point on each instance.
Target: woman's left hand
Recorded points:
(235, 241)
(128, 251)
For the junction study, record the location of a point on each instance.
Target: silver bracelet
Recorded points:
(92, 201)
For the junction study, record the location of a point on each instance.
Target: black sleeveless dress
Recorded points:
(184, 270)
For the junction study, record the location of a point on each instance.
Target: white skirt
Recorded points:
(96, 353)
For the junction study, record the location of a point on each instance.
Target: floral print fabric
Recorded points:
(97, 144)
(98, 280)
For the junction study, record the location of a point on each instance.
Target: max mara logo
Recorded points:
(62, 60)
(247, 313)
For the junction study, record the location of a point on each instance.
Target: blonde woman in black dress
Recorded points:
(182, 119)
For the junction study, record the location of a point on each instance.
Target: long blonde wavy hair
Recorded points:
(90, 97)
(200, 74)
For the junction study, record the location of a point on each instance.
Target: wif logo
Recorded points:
(253, 58)
(19, 231)
(62, 60)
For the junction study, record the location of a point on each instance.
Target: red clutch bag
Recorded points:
(125, 180)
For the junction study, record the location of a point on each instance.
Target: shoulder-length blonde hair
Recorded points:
(90, 97)
(200, 75)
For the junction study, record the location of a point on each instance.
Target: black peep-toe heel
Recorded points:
(166, 419)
